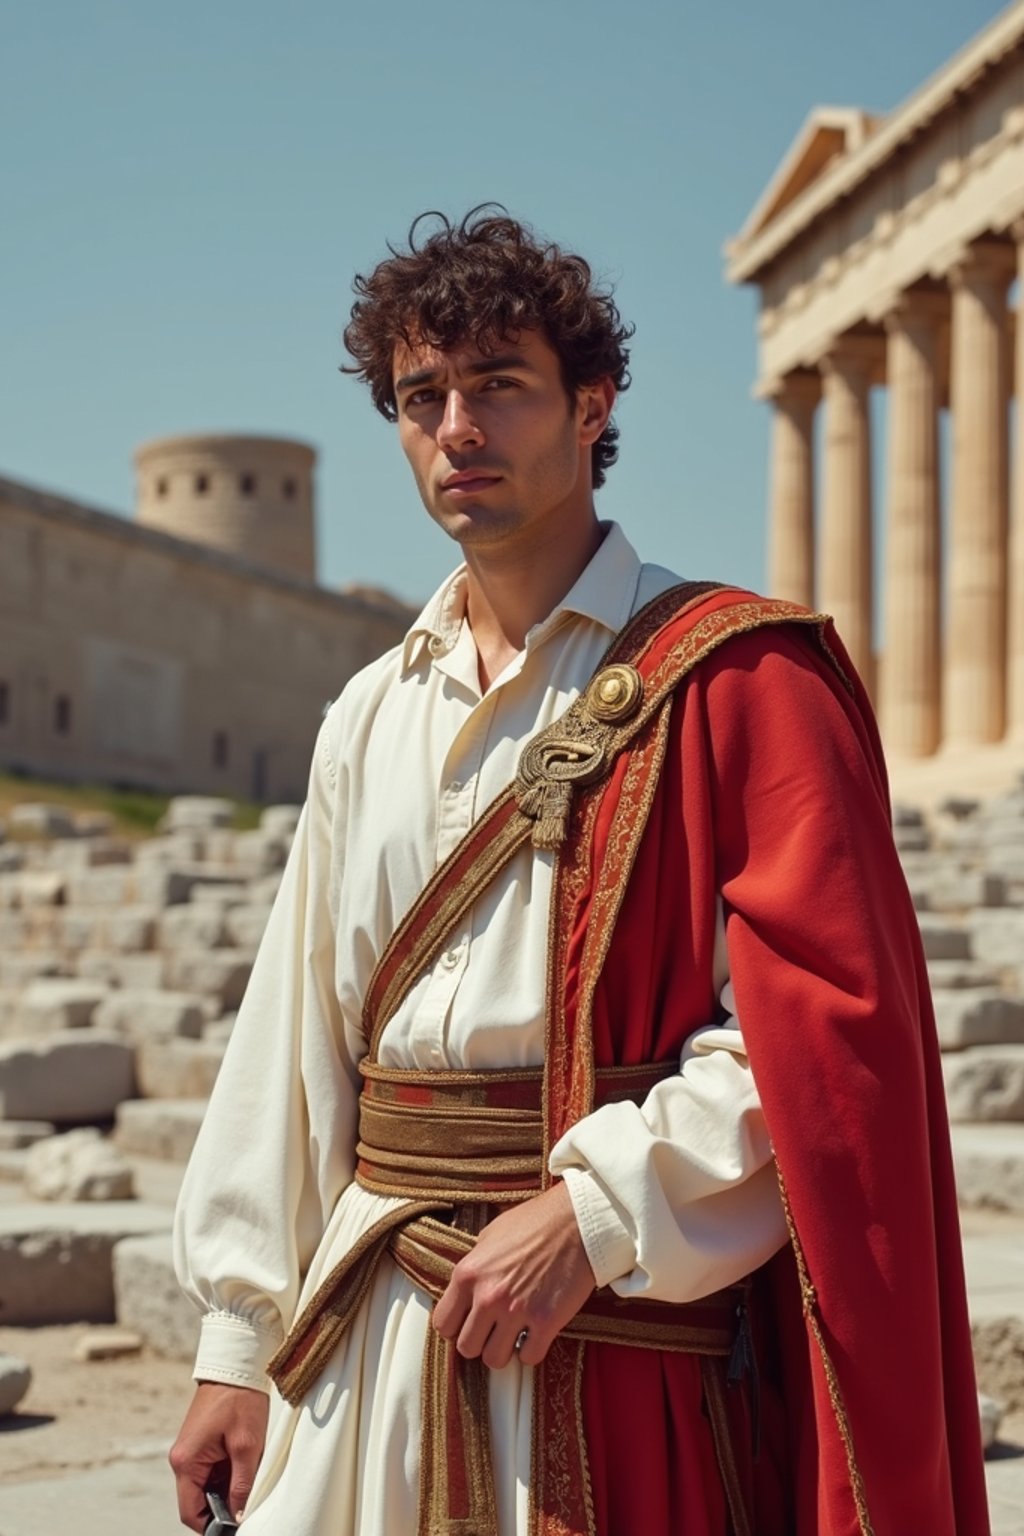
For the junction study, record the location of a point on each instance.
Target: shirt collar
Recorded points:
(604, 592)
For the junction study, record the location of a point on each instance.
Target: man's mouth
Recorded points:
(468, 482)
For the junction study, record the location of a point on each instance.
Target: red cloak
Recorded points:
(772, 792)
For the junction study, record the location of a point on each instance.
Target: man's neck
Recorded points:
(509, 592)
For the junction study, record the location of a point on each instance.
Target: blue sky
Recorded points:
(187, 191)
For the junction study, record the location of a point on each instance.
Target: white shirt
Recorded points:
(674, 1198)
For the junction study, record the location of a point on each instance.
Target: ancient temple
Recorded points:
(888, 251)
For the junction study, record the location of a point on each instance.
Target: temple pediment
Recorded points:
(827, 134)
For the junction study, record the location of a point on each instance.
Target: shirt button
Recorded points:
(454, 787)
(450, 959)
(436, 645)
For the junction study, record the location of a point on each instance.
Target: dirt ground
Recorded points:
(80, 1414)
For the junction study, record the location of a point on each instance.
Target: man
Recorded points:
(519, 1098)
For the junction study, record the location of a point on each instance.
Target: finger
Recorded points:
(245, 1458)
(192, 1481)
(450, 1312)
(501, 1345)
(475, 1332)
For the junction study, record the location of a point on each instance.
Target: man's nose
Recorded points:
(459, 428)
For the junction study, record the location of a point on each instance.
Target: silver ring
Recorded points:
(521, 1338)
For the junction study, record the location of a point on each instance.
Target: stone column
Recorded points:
(845, 569)
(974, 694)
(1015, 658)
(791, 530)
(911, 682)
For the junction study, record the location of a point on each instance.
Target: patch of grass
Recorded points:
(136, 812)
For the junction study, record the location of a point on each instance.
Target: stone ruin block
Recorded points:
(178, 1069)
(985, 1082)
(997, 937)
(260, 851)
(175, 848)
(57, 1259)
(977, 1016)
(39, 820)
(142, 971)
(193, 925)
(41, 888)
(944, 940)
(20, 967)
(17, 1135)
(246, 926)
(88, 853)
(197, 813)
(162, 1128)
(80, 1165)
(70, 1077)
(989, 1161)
(280, 820)
(149, 1300)
(224, 895)
(141, 1015)
(58, 1003)
(221, 974)
(958, 974)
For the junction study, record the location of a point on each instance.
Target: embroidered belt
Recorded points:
(467, 1136)
(453, 1143)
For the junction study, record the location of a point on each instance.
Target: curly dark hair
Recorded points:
(487, 279)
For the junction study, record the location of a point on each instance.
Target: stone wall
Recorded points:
(128, 656)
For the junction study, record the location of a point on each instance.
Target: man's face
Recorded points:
(497, 448)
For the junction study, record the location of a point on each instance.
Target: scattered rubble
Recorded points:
(15, 1380)
(79, 1165)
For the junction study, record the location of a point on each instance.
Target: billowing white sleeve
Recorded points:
(678, 1196)
(276, 1146)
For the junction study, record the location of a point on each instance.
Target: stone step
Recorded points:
(164, 1128)
(56, 1259)
(943, 939)
(985, 1082)
(73, 1075)
(149, 1300)
(966, 1016)
(989, 1162)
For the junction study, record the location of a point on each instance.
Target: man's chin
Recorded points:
(475, 526)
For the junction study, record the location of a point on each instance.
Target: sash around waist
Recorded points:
(467, 1136)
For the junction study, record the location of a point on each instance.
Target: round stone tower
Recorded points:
(249, 496)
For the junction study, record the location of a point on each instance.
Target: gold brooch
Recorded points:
(615, 693)
(574, 750)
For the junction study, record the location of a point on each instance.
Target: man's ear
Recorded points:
(596, 402)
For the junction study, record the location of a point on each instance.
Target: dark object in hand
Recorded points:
(220, 1522)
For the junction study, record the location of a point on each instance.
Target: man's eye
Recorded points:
(499, 383)
(420, 397)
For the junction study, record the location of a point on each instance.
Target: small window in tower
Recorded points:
(202, 484)
(247, 485)
(289, 489)
(5, 703)
(62, 715)
(161, 486)
(220, 749)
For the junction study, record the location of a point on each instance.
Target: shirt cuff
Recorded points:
(235, 1351)
(609, 1247)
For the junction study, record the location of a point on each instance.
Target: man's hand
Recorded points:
(529, 1270)
(220, 1444)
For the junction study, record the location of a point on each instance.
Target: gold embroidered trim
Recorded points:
(809, 1297)
(491, 857)
(639, 787)
(324, 1319)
